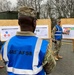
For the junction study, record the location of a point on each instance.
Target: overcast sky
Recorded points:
(13, 2)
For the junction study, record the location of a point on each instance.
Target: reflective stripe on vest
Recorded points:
(34, 65)
(58, 31)
(5, 51)
(23, 71)
(58, 34)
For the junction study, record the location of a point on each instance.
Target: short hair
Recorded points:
(58, 20)
(25, 20)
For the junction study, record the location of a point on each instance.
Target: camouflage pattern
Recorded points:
(57, 44)
(57, 47)
(53, 32)
(27, 11)
(49, 62)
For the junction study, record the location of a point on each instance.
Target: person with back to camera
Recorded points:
(57, 38)
(26, 54)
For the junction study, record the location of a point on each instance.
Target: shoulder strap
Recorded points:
(57, 28)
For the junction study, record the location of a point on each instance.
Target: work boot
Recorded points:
(1, 67)
(59, 57)
(56, 58)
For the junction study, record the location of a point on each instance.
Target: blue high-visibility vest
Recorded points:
(58, 33)
(24, 55)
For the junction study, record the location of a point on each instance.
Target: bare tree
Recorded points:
(36, 4)
(21, 2)
(63, 8)
(52, 8)
(4, 5)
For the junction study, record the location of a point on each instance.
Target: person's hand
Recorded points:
(67, 32)
(54, 41)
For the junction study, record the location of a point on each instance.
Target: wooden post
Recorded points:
(0, 57)
(68, 21)
(73, 45)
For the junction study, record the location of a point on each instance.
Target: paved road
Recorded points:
(65, 66)
(3, 70)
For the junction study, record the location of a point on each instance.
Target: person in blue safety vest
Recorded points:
(26, 54)
(57, 38)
